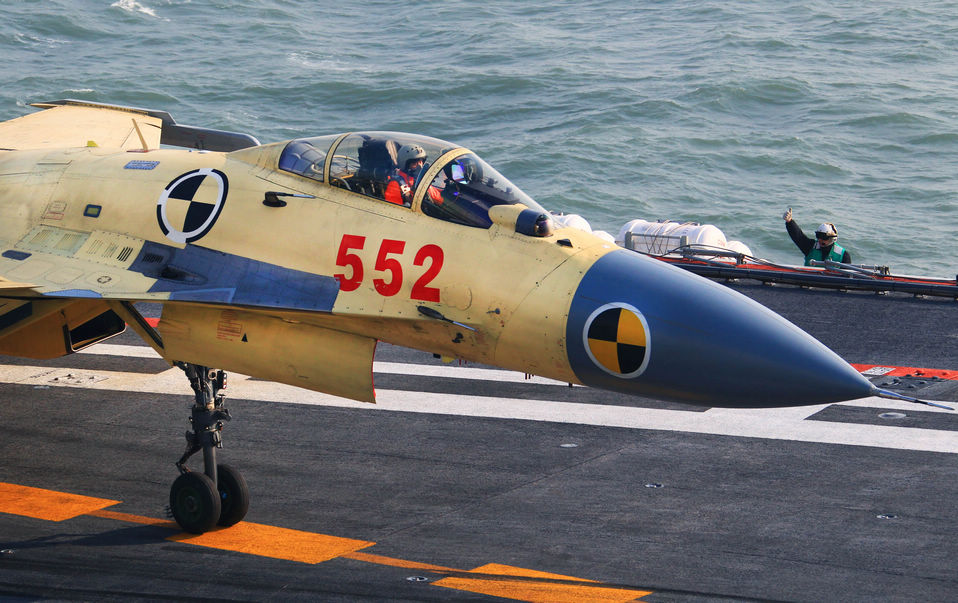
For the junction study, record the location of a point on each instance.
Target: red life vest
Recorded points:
(399, 188)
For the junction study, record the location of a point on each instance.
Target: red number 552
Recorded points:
(388, 262)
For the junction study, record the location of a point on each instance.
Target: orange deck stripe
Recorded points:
(905, 371)
(393, 562)
(498, 569)
(533, 591)
(150, 521)
(541, 592)
(277, 543)
(47, 504)
(309, 547)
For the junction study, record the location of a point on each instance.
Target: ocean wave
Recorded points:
(725, 112)
(942, 139)
(132, 6)
(894, 118)
(31, 40)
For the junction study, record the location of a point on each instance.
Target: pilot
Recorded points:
(822, 247)
(399, 190)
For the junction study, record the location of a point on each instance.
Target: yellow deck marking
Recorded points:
(536, 592)
(278, 543)
(47, 504)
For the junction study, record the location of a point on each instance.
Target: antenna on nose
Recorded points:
(884, 393)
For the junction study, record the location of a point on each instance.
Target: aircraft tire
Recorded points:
(195, 503)
(234, 495)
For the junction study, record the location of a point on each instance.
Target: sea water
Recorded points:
(724, 112)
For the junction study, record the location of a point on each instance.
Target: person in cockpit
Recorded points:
(400, 188)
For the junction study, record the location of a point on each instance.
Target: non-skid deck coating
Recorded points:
(479, 484)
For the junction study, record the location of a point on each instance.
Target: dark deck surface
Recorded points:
(468, 484)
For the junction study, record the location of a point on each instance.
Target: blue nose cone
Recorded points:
(640, 326)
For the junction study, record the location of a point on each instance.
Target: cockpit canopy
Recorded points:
(461, 187)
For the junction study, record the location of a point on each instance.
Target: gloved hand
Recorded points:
(787, 216)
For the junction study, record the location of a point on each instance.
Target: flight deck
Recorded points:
(469, 483)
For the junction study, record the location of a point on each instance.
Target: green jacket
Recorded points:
(835, 254)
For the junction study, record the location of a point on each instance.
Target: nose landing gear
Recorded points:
(219, 495)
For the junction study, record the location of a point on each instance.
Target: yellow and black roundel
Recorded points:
(616, 338)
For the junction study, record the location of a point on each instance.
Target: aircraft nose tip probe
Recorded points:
(639, 326)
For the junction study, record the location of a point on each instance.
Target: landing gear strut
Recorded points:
(219, 495)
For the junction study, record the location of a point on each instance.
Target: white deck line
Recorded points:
(776, 423)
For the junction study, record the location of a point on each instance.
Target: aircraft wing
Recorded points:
(6, 285)
(63, 290)
(62, 263)
(74, 123)
(80, 126)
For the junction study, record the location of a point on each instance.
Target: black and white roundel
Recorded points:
(190, 205)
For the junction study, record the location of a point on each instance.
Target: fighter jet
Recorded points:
(290, 261)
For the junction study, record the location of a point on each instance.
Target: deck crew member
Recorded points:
(822, 247)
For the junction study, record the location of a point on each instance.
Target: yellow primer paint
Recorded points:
(274, 542)
(47, 504)
(548, 588)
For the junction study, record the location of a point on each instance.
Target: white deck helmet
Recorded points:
(826, 230)
(409, 152)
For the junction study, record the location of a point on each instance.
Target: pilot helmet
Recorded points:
(409, 152)
(826, 232)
